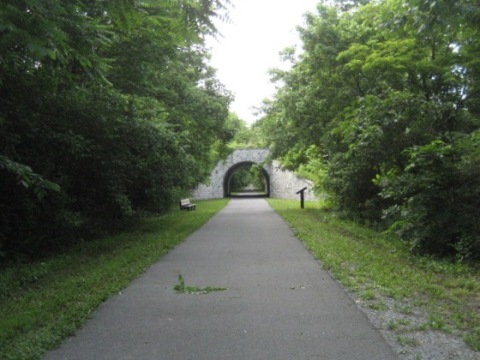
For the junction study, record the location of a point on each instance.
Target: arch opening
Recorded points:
(234, 181)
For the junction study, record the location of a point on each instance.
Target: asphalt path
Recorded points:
(278, 304)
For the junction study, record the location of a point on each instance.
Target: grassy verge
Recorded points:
(44, 302)
(427, 294)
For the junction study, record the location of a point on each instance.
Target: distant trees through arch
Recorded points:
(246, 179)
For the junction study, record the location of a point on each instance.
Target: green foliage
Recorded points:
(248, 176)
(258, 178)
(240, 179)
(439, 193)
(314, 169)
(389, 104)
(27, 178)
(108, 111)
(241, 136)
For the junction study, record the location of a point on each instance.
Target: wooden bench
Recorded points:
(185, 205)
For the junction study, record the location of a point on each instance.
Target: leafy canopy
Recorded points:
(381, 110)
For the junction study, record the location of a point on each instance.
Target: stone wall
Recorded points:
(214, 188)
(283, 183)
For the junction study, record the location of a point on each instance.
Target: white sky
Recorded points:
(250, 46)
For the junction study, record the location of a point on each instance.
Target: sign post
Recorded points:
(302, 197)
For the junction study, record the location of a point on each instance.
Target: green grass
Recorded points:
(42, 303)
(376, 266)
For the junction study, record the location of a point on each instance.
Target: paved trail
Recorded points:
(279, 303)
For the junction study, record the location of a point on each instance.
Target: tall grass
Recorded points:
(42, 303)
(380, 269)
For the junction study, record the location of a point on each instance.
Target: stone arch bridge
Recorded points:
(279, 183)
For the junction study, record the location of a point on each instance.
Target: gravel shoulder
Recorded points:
(398, 329)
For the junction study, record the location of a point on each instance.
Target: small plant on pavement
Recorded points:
(181, 288)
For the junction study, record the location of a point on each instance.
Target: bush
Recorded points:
(103, 169)
(437, 196)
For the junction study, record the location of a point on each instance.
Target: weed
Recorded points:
(404, 322)
(436, 322)
(368, 295)
(472, 339)
(195, 290)
(399, 325)
(408, 341)
(403, 309)
(378, 306)
(393, 325)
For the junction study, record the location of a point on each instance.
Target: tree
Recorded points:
(108, 110)
(374, 96)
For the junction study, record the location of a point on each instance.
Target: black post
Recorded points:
(302, 197)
